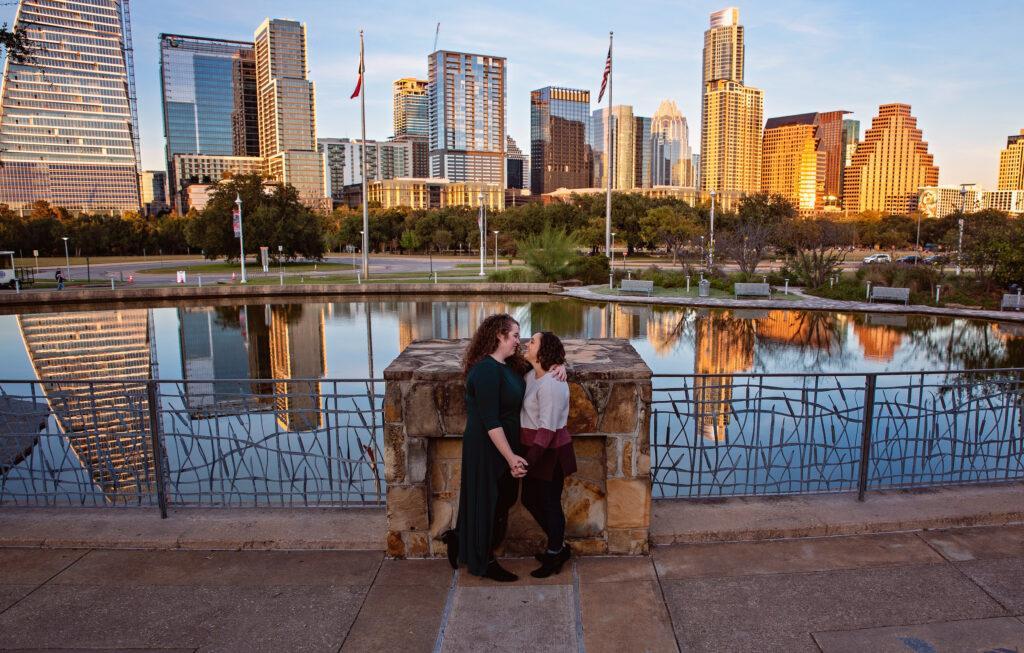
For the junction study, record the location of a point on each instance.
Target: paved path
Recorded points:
(951, 590)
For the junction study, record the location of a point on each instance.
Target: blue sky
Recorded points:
(957, 63)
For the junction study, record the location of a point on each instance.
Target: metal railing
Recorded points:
(716, 435)
(223, 442)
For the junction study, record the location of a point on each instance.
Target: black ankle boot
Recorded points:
(499, 573)
(552, 563)
(451, 542)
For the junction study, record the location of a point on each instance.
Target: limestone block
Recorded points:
(628, 503)
(416, 544)
(591, 469)
(588, 546)
(582, 415)
(620, 414)
(392, 403)
(447, 448)
(394, 453)
(442, 517)
(407, 508)
(643, 465)
(588, 447)
(416, 460)
(584, 505)
(598, 392)
(451, 403)
(612, 456)
(627, 459)
(419, 411)
(628, 541)
(396, 547)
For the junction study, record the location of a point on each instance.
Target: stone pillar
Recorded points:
(607, 502)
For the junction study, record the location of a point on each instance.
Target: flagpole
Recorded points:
(366, 212)
(611, 159)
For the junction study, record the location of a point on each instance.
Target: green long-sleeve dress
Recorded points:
(494, 397)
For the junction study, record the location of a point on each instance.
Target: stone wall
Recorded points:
(607, 502)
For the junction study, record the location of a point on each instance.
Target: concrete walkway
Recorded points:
(945, 590)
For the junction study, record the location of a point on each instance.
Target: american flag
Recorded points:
(607, 74)
(359, 82)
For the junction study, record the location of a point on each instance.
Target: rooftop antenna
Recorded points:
(437, 33)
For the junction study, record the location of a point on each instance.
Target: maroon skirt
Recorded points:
(547, 450)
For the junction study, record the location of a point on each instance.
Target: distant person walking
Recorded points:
(59, 276)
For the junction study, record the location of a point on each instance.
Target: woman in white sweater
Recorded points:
(548, 446)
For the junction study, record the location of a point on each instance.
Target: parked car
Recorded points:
(910, 259)
(878, 258)
(937, 259)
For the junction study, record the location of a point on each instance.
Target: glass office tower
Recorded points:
(68, 123)
(559, 139)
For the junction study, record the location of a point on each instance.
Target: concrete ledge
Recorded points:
(344, 529)
(34, 298)
(677, 521)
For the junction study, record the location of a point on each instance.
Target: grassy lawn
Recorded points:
(681, 292)
(252, 268)
(59, 261)
(350, 280)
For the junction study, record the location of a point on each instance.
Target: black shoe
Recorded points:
(499, 573)
(552, 563)
(451, 541)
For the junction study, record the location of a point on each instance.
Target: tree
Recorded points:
(991, 246)
(549, 252)
(816, 249)
(442, 239)
(755, 229)
(410, 241)
(14, 44)
(671, 226)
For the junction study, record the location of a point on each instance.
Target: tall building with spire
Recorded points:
(287, 109)
(1011, 164)
(890, 165)
(68, 123)
(671, 157)
(731, 113)
(559, 139)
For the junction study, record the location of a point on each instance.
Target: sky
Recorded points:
(958, 64)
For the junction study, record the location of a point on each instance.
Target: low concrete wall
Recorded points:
(607, 502)
(163, 293)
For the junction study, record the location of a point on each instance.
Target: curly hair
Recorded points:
(485, 340)
(551, 352)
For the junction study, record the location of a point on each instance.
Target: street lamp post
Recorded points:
(483, 227)
(711, 239)
(611, 260)
(67, 257)
(960, 237)
(241, 237)
(496, 232)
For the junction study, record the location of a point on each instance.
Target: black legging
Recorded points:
(544, 501)
(508, 489)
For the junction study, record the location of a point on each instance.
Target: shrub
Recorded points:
(588, 269)
(513, 275)
(549, 252)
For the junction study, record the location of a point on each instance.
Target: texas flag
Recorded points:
(359, 82)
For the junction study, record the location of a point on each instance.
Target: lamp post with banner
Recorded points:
(236, 223)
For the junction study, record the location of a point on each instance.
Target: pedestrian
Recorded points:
(59, 276)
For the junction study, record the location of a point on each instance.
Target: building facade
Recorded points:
(732, 114)
(466, 95)
(287, 109)
(411, 116)
(940, 201)
(68, 121)
(559, 139)
(671, 158)
(793, 163)
(153, 191)
(890, 165)
(435, 194)
(343, 162)
(851, 136)
(643, 163)
(622, 147)
(1011, 164)
(207, 169)
(517, 166)
(209, 101)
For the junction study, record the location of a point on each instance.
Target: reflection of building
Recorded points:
(724, 346)
(444, 320)
(879, 342)
(107, 422)
(559, 139)
(297, 352)
(68, 123)
(890, 164)
(799, 329)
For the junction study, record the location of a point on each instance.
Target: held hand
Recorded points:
(558, 371)
(518, 466)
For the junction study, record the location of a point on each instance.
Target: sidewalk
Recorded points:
(950, 590)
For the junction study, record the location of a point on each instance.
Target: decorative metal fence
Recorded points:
(760, 434)
(274, 442)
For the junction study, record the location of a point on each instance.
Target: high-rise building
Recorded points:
(623, 140)
(153, 191)
(517, 166)
(890, 165)
(696, 169)
(343, 162)
(68, 122)
(732, 114)
(287, 109)
(1011, 164)
(559, 139)
(671, 158)
(801, 158)
(209, 101)
(411, 117)
(851, 136)
(467, 116)
(205, 169)
(643, 163)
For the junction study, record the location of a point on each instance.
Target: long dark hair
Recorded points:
(485, 342)
(550, 352)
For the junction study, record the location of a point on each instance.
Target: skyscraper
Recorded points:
(287, 109)
(623, 140)
(1011, 164)
(559, 139)
(802, 158)
(851, 136)
(517, 166)
(642, 163)
(209, 101)
(411, 117)
(343, 162)
(467, 117)
(890, 165)
(671, 163)
(731, 113)
(68, 122)
(153, 189)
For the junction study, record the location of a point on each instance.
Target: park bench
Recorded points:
(1011, 301)
(637, 285)
(890, 294)
(752, 289)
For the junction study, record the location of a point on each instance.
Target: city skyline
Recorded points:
(807, 57)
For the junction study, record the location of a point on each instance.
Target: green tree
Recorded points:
(670, 226)
(410, 241)
(755, 229)
(549, 252)
(816, 249)
(441, 239)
